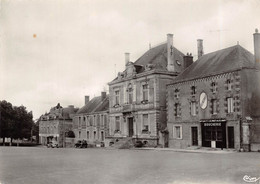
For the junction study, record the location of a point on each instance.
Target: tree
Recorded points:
(6, 112)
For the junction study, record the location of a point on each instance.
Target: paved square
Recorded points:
(45, 166)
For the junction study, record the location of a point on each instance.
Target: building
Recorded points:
(215, 102)
(54, 125)
(137, 96)
(91, 121)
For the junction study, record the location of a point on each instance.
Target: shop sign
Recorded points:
(212, 124)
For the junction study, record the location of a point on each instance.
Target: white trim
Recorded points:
(174, 132)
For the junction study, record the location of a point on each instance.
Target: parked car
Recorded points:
(138, 144)
(81, 144)
(53, 144)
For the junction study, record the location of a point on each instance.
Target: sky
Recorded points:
(59, 51)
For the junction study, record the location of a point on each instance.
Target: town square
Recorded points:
(131, 91)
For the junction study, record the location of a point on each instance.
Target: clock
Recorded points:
(203, 100)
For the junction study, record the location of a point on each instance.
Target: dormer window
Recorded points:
(193, 90)
(229, 85)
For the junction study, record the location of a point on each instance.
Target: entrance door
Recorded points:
(231, 137)
(130, 127)
(194, 134)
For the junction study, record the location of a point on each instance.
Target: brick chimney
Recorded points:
(170, 53)
(200, 47)
(127, 58)
(86, 99)
(103, 95)
(187, 60)
(257, 48)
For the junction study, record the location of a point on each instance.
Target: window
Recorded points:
(145, 92)
(177, 132)
(177, 93)
(79, 121)
(214, 106)
(176, 109)
(87, 134)
(229, 85)
(193, 90)
(98, 120)
(95, 135)
(91, 120)
(117, 123)
(230, 105)
(130, 94)
(88, 124)
(193, 108)
(117, 97)
(102, 136)
(79, 134)
(145, 122)
(214, 87)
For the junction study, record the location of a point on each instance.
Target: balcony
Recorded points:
(128, 107)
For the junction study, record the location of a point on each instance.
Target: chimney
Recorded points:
(103, 95)
(187, 60)
(86, 99)
(200, 47)
(257, 48)
(127, 58)
(170, 53)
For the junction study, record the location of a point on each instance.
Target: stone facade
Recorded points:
(218, 106)
(91, 121)
(137, 98)
(54, 125)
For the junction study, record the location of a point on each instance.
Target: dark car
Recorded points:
(81, 144)
(53, 144)
(138, 144)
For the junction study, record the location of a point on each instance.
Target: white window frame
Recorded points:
(117, 97)
(147, 122)
(175, 133)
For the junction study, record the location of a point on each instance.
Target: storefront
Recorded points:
(213, 133)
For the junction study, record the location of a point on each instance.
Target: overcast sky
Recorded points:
(59, 51)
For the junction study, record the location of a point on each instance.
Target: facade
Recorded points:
(137, 107)
(215, 102)
(54, 125)
(91, 121)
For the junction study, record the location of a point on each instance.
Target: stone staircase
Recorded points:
(122, 143)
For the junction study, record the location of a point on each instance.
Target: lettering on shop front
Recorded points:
(212, 124)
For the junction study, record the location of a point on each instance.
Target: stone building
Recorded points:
(137, 96)
(91, 121)
(215, 102)
(54, 125)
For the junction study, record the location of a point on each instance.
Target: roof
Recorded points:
(221, 61)
(158, 57)
(94, 105)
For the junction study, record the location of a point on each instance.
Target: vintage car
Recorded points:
(52, 144)
(81, 144)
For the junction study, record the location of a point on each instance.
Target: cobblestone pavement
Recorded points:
(40, 165)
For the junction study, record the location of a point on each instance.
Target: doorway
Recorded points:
(231, 137)
(130, 127)
(194, 136)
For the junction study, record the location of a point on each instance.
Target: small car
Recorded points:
(81, 144)
(52, 145)
(138, 144)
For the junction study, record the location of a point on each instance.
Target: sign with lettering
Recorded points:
(203, 100)
(212, 124)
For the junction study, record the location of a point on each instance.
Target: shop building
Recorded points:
(215, 102)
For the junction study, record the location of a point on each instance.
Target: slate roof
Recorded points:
(94, 105)
(221, 61)
(158, 57)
